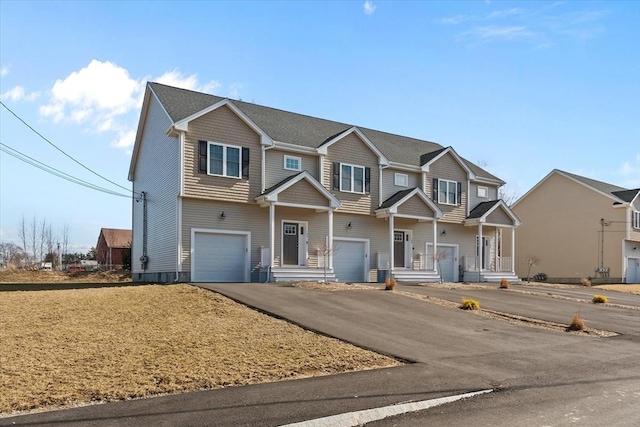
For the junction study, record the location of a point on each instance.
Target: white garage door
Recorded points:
(349, 261)
(633, 270)
(219, 257)
(447, 263)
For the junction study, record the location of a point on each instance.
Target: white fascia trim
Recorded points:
(470, 174)
(483, 218)
(382, 159)
(404, 167)
(299, 205)
(418, 217)
(286, 146)
(141, 124)
(483, 180)
(184, 123)
(425, 199)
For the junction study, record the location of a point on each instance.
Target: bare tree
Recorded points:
(438, 257)
(508, 195)
(324, 250)
(11, 254)
(531, 261)
(64, 239)
(23, 234)
(33, 237)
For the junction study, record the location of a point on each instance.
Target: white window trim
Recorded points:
(635, 219)
(298, 159)
(353, 167)
(398, 177)
(486, 192)
(455, 193)
(224, 160)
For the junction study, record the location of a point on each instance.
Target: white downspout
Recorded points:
(435, 246)
(513, 250)
(272, 232)
(480, 252)
(181, 144)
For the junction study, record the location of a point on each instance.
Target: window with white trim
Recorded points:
(635, 219)
(447, 192)
(351, 178)
(401, 180)
(224, 160)
(292, 163)
(483, 192)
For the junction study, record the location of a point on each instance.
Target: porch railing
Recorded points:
(501, 264)
(423, 262)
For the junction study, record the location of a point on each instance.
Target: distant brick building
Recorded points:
(112, 242)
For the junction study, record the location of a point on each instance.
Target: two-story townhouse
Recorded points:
(579, 227)
(230, 191)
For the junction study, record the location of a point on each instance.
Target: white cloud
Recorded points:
(104, 97)
(4, 70)
(234, 90)
(505, 12)
(369, 7)
(97, 93)
(497, 33)
(18, 94)
(177, 79)
(455, 20)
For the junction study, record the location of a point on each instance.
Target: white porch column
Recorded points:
(481, 246)
(513, 250)
(330, 243)
(391, 242)
(435, 246)
(272, 234)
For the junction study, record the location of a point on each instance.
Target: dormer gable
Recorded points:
(428, 159)
(183, 125)
(323, 148)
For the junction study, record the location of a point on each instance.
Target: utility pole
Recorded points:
(59, 258)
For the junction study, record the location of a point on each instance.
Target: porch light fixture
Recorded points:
(222, 215)
(444, 232)
(349, 226)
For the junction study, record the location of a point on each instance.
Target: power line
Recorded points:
(33, 162)
(62, 151)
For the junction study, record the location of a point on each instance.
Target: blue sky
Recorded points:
(522, 87)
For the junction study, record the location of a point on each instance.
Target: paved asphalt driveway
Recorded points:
(455, 352)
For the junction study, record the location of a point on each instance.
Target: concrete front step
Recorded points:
(416, 276)
(301, 274)
(496, 277)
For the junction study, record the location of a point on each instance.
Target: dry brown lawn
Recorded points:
(41, 276)
(631, 288)
(71, 347)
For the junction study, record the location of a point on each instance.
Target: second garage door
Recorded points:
(219, 257)
(349, 260)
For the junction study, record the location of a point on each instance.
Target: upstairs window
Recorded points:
(635, 219)
(351, 178)
(292, 163)
(483, 192)
(401, 180)
(447, 192)
(223, 160)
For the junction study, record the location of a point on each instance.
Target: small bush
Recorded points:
(389, 283)
(585, 282)
(600, 299)
(504, 283)
(577, 324)
(469, 304)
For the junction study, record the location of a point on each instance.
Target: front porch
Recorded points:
(499, 268)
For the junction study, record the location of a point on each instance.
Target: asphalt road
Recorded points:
(542, 377)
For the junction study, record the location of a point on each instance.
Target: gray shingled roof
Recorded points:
(626, 195)
(482, 209)
(298, 129)
(281, 183)
(598, 185)
(395, 198)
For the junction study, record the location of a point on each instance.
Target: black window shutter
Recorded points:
(202, 157)
(336, 175)
(245, 162)
(435, 190)
(367, 180)
(459, 193)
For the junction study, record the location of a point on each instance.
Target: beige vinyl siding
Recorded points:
(448, 168)
(421, 233)
(561, 225)
(157, 173)
(303, 193)
(474, 200)
(464, 237)
(222, 126)
(274, 166)
(415, 206)
(352, 150)
(202, 213)
(499, 216)
(388, 182)
(318, 229)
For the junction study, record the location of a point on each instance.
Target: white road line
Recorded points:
(358, 418)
